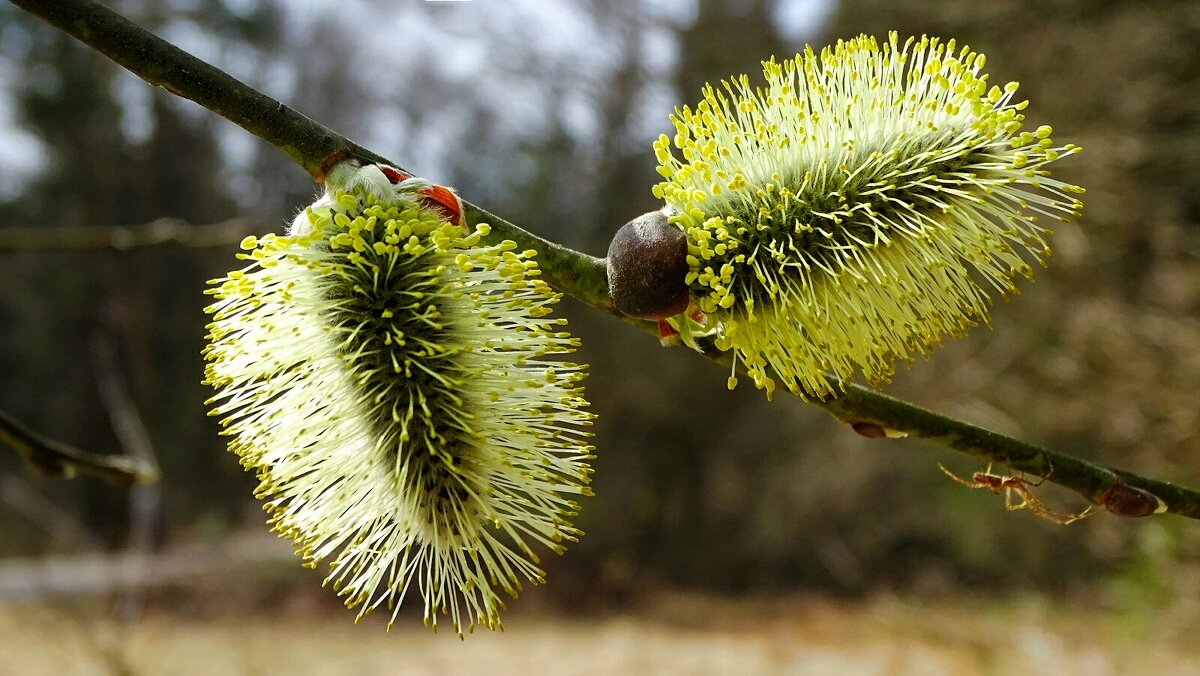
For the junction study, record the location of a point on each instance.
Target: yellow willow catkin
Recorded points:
(856, 208)
(397, 387)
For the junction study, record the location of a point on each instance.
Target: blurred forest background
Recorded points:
(544, 113)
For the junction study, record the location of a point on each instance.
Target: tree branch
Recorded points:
(56, 459)
(309, 144)
(313, 147)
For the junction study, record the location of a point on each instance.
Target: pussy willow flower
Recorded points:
(396, 386)
(856, 208)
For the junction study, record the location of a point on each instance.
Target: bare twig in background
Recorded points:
(145, 501)
(122, 238)
(313, 146)
(56, 459)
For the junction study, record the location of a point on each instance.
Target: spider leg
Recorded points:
(1053, 516)
(1027, 499)
(1042, 479)
(957, 478)
(1081, 515)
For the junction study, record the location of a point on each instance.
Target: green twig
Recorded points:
(56, 459)
(858, 405)
(313, 147)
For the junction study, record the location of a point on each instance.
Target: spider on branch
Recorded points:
(1015, 485)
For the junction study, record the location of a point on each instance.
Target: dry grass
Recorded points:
(670, 635)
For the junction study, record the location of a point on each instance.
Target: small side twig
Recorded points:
(55, 459)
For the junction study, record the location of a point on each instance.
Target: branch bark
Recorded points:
(584, 277)
(56, 459)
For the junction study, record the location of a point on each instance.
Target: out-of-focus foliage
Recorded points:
(544, 113)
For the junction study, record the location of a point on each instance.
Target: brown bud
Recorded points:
(647, 268)
(1126, 500)
(869, 430)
